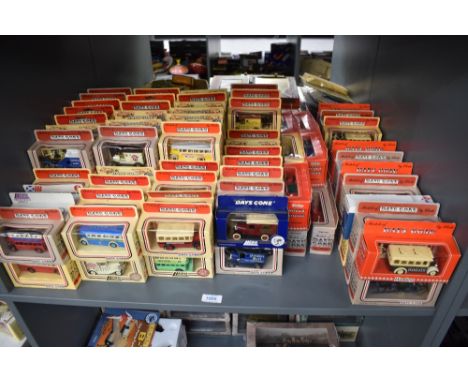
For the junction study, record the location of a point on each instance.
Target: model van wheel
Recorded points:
(12, 248)
(83, 242)
(400, 271)
(138, 164)
(264, 237)
(179, 270)
(196, 245)
(169, 247)
(118, 273)
(31, 270)
(432, 271)
(113, 244)
(236, 236)
(92, 272)
(38, 250)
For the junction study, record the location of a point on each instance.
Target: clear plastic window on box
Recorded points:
(99, 239)
(20, 241)
(124, 154)
(173, 236)
(254, 226)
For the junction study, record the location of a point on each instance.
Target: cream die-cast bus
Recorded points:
(411, 258)
(190, 150)
(172, 236)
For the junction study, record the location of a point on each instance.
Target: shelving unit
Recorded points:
(391, 73)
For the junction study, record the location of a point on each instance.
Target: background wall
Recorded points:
(40, 75)
(406, 80)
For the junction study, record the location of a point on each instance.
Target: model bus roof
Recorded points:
(261, 219)
(111, 229)
(24, 234)
(194, 145)
(409, 252)
(175, 229)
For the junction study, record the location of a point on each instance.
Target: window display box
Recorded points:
(180, 266)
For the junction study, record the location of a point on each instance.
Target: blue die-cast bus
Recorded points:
(102, 235)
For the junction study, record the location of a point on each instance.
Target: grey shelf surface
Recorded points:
(463, 311)
(313, 285)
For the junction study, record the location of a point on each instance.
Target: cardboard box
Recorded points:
(246, 261)
(180, 266)
(153, 97)
(114, 102)
(245, 160)
(407, 250)
(133, 271)
(102, 232)
(62, 149)
(178, 165)
(351, 128)
(292, 147)
(185, 180)
(176, 229)
(251, 221)
(256, 114)
(296, 244)
(299, 192)
(250, 187)
(140, 182)
(388, 207)
(261, 334)
(31, 235)
(190, 141)
(324, 221)
(65, 276)
(392, 293)
(106, 109)
(112, 196)
(126, 150)
(185, 196)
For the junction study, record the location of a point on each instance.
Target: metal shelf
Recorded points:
(313, 285)
(203, 340)
(463, 311)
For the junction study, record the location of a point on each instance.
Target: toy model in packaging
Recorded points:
(252, 150)
(252, 173)
(114, 103)
(176, 229)
(250, 187)
(180, 266)
(244, 261)
(64, 276)
(133, 271)
(190, 141)
(293, 147)
(125, 328)
(141, 182)
(153, 97)
(119, 150)
(324, 221)
(62, 149)
(102, 96)
(342, 107)
(392, 293)
(196, 117)
(251, 221)
(202, 96)
(185, 180)
(31, 235)
(254, 137)
(252, 161)
(371, 168)
(100, 233)
(174, 91)
(186, 196)
(113, 196)
(58, 177)
(367, 156)
(107, 109)
(351, 129)
(178, 165)
(80, 119)
(255, 93)
(364, 184)
(401, 207)
(406, 250)
(346, 113)
(254, 114)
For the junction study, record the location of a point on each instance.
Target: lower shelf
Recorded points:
(200, 340)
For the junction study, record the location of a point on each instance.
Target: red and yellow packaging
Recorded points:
(61, 176)
(99, 233)
(185, 180)
(252, 150)
(141, 182)
(385, 241)
(248, 172)
(126, 150)
(255, 93)
(299, 193)
(250, 187)
(190, 141)
(31, 236)
(293, 147)
(114, 102)
(176, 229)
(254, 114)
(90, 109)
(102, 96)
(342, 106)
(153, 97)
(178, 165)
(186, 196)
(252, 161)
(62, 148)
(174, 91)
(351, 128)
(112, 196)
(202, 96)
(64, 276)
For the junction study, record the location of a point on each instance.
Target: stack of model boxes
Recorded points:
(176, 226)
(393, 247)
(251, 208)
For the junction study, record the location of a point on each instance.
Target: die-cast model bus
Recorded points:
(101, 235)
(174, 265)
(172, 236)
(195, 150)
(411, 259)
(25, 240)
